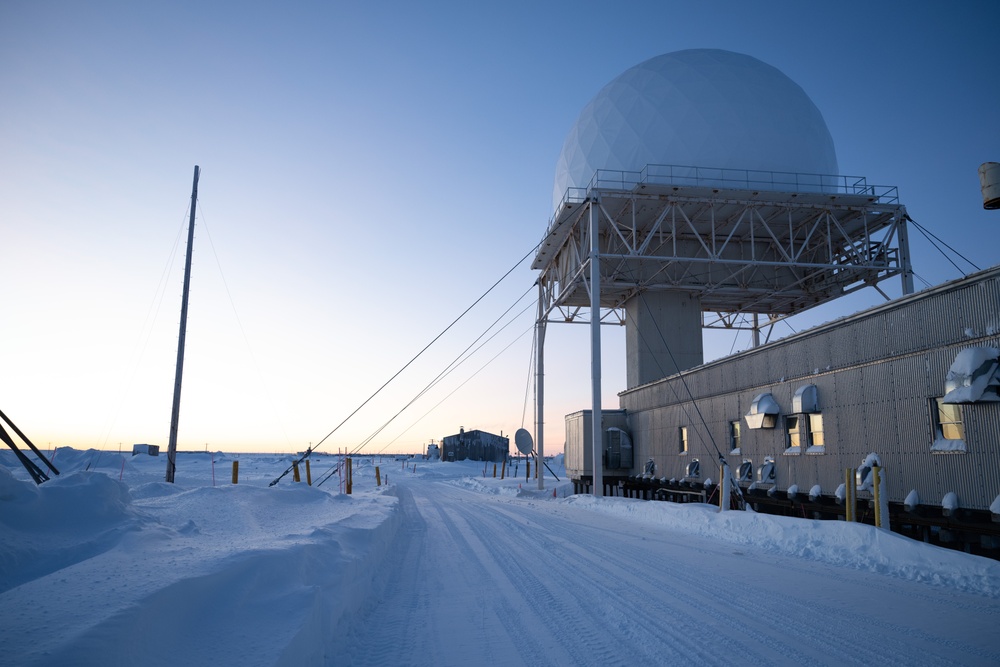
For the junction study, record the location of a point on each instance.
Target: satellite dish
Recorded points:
(523, 442)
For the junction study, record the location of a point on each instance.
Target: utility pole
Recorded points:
(175, 412)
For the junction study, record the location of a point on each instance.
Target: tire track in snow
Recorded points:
(813, 631)
(521, 635)
(642, 632)
(539, 582)
(431, 562)
(390, 625)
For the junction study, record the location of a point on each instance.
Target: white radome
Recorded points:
(699, 107)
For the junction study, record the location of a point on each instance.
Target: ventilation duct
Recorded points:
(805, 400)
(763, 413)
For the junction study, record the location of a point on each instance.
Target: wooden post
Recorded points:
(236, 471)
(349, 480)
(309, 475)
(295, 471)
(378, 477)
(179, 369)
(503, 468)
(527, 474)
(494, 471)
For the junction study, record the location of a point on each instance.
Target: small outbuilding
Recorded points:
(152, 450)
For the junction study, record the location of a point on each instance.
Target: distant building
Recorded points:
(474, 446)
(152, 450)
(433, 452)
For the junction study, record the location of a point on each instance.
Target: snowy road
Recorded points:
(477, 579)
(108, 565)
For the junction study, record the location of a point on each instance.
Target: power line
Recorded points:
(311, 449)
(459, 360)
(928, 235)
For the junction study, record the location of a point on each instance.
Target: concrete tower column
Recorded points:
(656, 321)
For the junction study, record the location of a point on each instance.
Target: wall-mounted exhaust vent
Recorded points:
(805, 400)
(763, 413)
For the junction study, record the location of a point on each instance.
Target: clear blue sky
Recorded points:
(369, 170)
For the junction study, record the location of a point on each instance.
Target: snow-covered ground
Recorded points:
(445, 566)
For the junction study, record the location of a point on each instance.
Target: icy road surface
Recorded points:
(108, 565)
(480, 579)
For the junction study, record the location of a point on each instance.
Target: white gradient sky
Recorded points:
(368, 170)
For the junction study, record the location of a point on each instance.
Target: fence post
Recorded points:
(724, 489)
(850, 501)
(236, 471)
(882, 519)
(295, 471)
(309, 475)
(378, 477)
(349, 480)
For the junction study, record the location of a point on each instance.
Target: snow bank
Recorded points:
(852, 545)
(174, 574)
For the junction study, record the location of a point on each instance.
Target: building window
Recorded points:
(734, 437)
(816, 441)
(793, 434)
(949, 431)
(683, 440)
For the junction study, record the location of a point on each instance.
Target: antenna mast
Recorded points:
(175, 412)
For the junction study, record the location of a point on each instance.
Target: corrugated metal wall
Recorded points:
(577, 454)
(876, 372)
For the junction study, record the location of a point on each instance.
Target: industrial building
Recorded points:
(701, 189)
(474, 445)
(791, 416)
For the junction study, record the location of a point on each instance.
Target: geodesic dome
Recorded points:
(699, 107)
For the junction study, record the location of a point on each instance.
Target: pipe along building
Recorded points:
(700, 189)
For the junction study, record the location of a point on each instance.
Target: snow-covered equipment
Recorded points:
(974, 376)
(949, 504)
(649, 468)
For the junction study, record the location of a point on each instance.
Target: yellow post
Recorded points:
(875, 490)
(849, 497)
(349, 480)
(295, 471)
(378, 477)
(236, 471)
(309, 475)
(494, 470)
